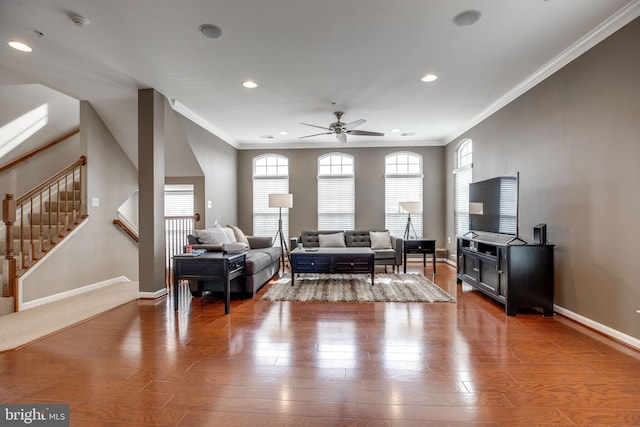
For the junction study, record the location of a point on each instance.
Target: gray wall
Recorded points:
(218, 161)
(575, 138)
(99, 251)
(369, 173)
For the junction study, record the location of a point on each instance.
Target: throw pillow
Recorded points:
(335, 240)
(205, 236)
(380, 239)
(240, 236)
(230, 234)
(235, 247)
(213, 236)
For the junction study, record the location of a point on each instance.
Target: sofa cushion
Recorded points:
(381, 254)
(257, 260)
(380, 240)
(358, 238)
(335, 240)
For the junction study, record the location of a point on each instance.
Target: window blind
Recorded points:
(336, 203)
(462, 178)
(508, 206)
(178, 200)
(265, 219)
(402, 188)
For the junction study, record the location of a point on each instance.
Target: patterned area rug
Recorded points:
(357, 287)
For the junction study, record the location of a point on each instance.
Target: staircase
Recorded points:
(35, 223)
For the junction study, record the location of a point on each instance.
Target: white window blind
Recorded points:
(403, 183)
(336, 197)
(508, 205)
(336, 192)
(270, 176)
(178, 200)
(462, 178)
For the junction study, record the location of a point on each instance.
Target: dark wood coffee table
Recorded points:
(332, 260)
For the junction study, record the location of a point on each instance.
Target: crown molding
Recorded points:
(615, 22)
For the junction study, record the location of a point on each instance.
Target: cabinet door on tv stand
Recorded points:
(469, 268)
(488, 277)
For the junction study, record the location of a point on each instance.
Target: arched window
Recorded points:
(336, 192)
(462, 177)
(270, 176)
(403, 183)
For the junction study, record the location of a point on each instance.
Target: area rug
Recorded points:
(357, 288)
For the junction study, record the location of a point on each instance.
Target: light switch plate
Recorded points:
(95, 201)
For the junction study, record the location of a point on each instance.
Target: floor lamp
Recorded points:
(410, 207)
(281, 201)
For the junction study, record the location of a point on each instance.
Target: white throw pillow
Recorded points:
(380, 239)
(230, 234)
(239, 234)
(335, 240)
(205, 236)
(235, 247)
(214, 236)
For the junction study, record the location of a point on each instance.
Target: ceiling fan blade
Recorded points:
(342, 137)
(365, 133)
(316, 134)
(354, 124)
(316, 126)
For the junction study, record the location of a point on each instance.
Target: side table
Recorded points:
(211, 267)
(420, 246)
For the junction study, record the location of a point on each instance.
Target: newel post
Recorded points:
(9, 262)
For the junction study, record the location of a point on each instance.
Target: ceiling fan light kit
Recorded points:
(341, 129)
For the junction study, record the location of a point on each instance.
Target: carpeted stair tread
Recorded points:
(17, 329)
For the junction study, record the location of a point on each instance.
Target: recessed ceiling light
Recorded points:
(466, 18)
(210, 31)
(78, 20)
(19, 46)
(396, 130)
(284, 132)
(429, 78)
(249, 84)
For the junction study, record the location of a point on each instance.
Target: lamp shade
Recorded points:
(280, 200)
(411, 207)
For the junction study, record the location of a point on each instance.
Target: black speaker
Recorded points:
(540, 234)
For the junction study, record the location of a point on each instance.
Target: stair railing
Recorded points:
(38, 220)
(176, 229)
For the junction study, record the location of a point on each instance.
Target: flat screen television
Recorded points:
(493, 205)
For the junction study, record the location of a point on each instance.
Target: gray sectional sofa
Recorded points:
(263, 262)
(392, 255)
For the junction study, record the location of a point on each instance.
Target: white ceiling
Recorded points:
(367, 56)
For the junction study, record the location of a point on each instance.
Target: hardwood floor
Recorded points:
(328, 364)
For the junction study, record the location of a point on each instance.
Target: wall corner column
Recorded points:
(151, 147)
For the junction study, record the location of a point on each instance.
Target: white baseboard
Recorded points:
(153, 295)
(603, 329)
(70, 293)
(599, 327)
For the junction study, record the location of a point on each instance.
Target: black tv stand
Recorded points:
(515, 238)
(519, 276)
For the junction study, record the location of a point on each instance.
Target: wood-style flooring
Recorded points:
(328, 364)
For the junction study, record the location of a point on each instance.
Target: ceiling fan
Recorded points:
(341, 129)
